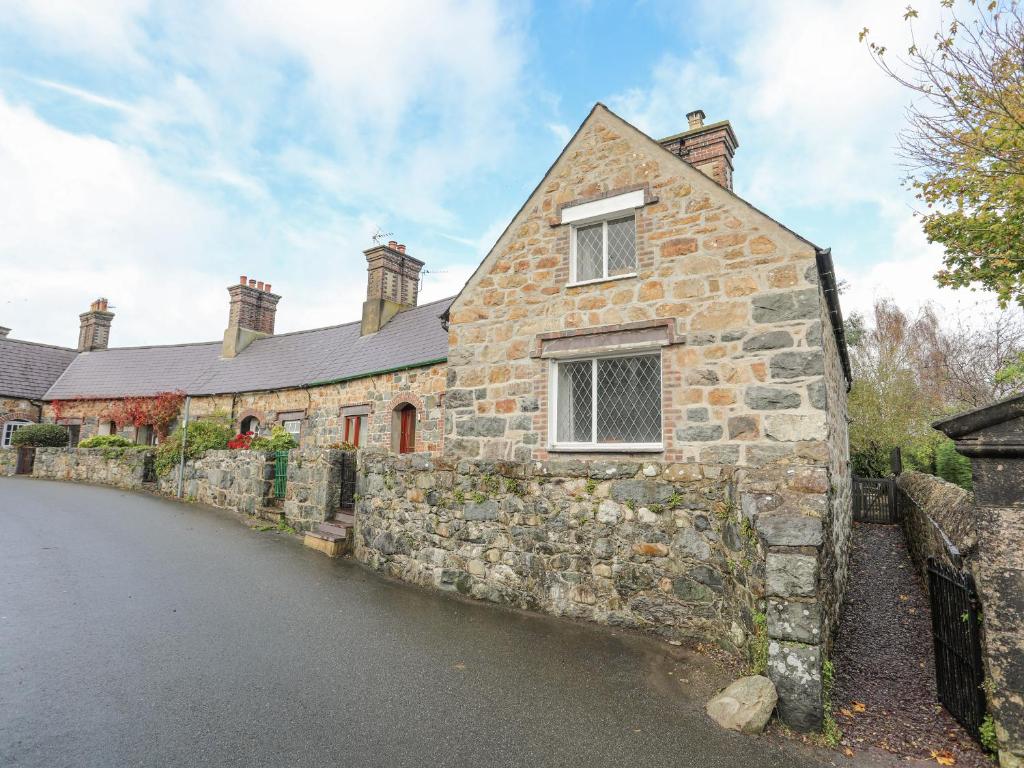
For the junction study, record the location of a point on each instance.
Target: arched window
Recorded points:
(250, 424)
(9, 429)
(403, 429)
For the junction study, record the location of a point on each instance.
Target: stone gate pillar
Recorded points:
(993, 438)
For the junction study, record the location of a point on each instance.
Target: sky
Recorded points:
(151, 153)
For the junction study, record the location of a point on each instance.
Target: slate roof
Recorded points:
(28, 369)
(411, 338)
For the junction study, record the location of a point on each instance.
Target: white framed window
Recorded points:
(294, 426)
(603, 250)
(607, 403)
(602, 242)
(9, 429)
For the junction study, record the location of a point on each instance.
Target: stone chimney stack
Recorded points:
(251, 316)
(392, 284)
(708, 148)
(94, 331)
(4, 331)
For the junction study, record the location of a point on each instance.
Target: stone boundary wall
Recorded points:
(126, 469)
(8, 462)
(679, 550)
(239, 480)
(936, 514)
(313, 493)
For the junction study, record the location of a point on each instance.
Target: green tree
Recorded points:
(894, 397)
(964, 142)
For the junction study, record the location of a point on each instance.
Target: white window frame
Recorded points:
(601, 211)
(298, 431)
(8, 433)
(595, 447)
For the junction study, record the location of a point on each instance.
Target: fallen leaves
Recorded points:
(943, 757)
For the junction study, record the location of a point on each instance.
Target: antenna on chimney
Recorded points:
(380, 236)
(425, 272)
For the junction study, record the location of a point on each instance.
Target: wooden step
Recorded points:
(345, 518)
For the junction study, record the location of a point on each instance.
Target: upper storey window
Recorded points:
(603, 240)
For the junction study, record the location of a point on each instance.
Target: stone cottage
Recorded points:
(645, 414)
(27, 371)
(377, 382)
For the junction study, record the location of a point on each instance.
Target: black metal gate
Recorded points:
(348, 481)
(26, 460)
(956, 629)
(874, 500)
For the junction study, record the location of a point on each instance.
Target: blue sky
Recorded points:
(151, 153)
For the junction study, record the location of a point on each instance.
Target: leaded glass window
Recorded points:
(605, 249)
(609, 401)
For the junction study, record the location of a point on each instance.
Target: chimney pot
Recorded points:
(259, 285)
(696, 118)
(268, 287)
(243, 280)
(252, 282)
(401, 248)
(392, 244)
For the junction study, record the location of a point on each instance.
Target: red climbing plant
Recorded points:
(159, 411)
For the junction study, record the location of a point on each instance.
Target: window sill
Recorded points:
(608, 448)
(601, 280)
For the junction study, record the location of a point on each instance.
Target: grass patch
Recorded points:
(759, 646)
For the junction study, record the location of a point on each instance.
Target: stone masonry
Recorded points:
(318, 408)
(753, 379)
(238, 480)
(625, 543)
(314, 487)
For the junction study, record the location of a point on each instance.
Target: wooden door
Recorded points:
(407, 436)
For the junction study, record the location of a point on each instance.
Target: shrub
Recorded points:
(41, 436)
(953, 466)
(280, 440)
(106, 441)
(202, 436)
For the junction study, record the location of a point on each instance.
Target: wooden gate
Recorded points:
(874, 500)
(26, 460)
(956, 629)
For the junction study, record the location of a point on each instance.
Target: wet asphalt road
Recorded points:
(136, 631)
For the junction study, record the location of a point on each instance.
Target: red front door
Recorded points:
(407, 437)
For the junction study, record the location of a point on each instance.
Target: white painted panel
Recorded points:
(603, 207)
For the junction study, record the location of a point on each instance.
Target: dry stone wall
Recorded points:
(936, 515)
(616, 542)
(239, 480)
(8, 462)
(128, 469)
(313, 491)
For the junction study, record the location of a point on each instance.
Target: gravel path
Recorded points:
(884, 694)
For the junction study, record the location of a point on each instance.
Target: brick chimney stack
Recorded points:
(392, 284)
(708, 148)
(94, 329)
(251, 315)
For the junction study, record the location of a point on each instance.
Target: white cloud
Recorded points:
(262, 138)
(561, 131)
(109, 30)
(817, 122)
